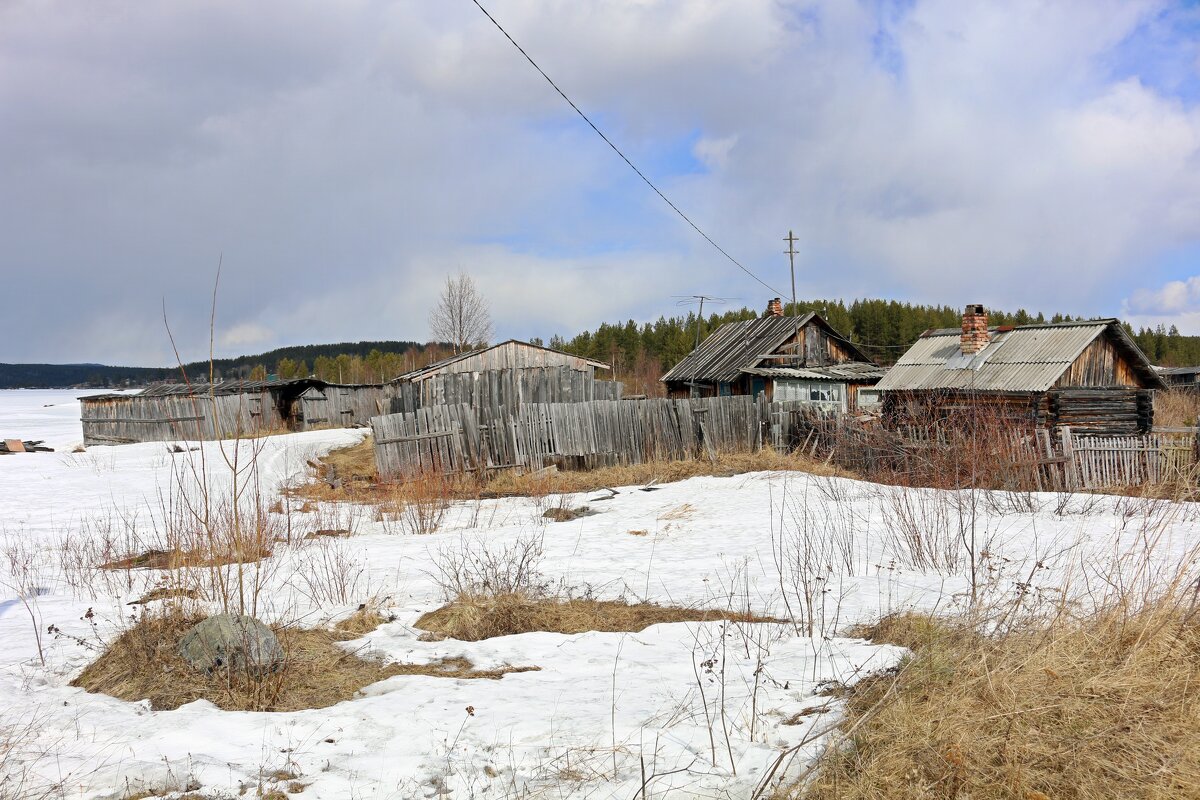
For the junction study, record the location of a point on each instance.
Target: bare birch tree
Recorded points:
(461, 316)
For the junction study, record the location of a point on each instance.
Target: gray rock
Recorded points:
(232, 642)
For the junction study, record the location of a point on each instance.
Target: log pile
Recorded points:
(1103, 412)
(8, 446)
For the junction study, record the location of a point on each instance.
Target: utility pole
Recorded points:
(688, 300)
(791, 254)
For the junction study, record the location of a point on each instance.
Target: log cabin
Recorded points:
(1089, 375)
(799, 358)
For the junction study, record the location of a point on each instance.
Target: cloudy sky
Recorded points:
(342, 158)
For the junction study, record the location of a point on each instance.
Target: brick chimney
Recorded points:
(774, 307)
(974, 329)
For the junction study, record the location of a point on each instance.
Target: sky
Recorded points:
(339, 160)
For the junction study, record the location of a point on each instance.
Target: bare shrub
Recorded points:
(472, 569)
(328, 571)
(811, 549)
(26, 573)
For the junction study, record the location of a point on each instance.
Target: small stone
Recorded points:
(232, 642)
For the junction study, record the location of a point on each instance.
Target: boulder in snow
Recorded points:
(232, 642)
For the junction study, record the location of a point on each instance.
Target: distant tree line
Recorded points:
(639, 353)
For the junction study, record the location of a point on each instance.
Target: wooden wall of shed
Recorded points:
(945, 406)
(1112, 411)
(503, 388)
(1099, 365)
(132, 418)
(339, 407)
(515, 355)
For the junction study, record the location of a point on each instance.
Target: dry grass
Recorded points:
(366, 619)
(354, 467)
(1176, 408)
(215, 556)
(142, 664)
(1105, 707)
(476, 617)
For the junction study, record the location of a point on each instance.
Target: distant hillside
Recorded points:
(61, 376)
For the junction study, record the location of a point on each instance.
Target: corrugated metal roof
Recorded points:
(1024, 359)
(850, 371)
(730, 348)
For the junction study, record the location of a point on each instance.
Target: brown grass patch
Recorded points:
(1099, 708)
(473, 618)
(142, 664)
(354, 467)
(199, 557)
(366, 619)
(1176, 408)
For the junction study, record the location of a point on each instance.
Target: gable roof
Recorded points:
(1027, 358)
(438, 366)
(736, 346)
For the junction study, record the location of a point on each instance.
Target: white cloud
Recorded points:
(1174, 303)
(343, 163)
(246, 334)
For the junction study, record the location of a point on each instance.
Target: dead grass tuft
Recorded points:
(1104, 707)
(215, 556)
(366, 619)
(472, 618)
(143, 664)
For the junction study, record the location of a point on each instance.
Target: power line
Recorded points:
(624, 158)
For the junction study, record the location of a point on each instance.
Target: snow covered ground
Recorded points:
(696, 710)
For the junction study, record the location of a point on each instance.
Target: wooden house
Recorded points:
(1089, 375)
(784, 358)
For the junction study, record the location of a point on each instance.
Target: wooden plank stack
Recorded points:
(23, 446)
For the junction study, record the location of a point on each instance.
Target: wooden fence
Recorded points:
(1096, 462)
(117, 419)
(582, 435)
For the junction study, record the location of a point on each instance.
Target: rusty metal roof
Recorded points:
(1028, 358)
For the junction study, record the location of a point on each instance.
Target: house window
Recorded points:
(868, 398)
(829, 396)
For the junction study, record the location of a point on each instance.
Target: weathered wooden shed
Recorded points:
(786, 358)
(1089, 375)
(229, 409)
(1181, 377)
(503, 376)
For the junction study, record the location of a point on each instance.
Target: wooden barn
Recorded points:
(1088, 375)
(229, 409)
(503, 375)
(785, 358)
(1181, 377)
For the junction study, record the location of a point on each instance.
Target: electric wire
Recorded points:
(624, 158)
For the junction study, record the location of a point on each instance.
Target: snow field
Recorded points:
(698, 708)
